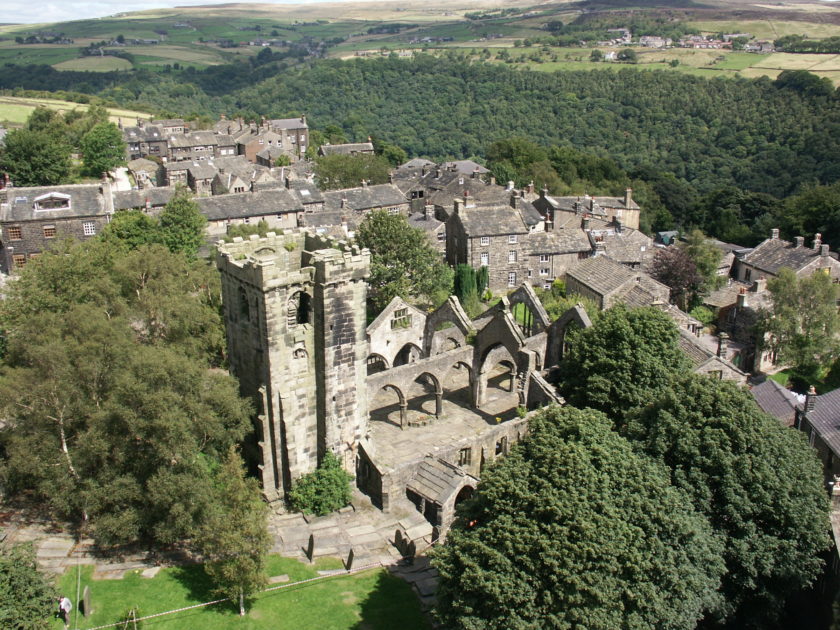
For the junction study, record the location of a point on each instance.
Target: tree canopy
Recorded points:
(574, 529)
(403, 261)
(758, 484)
(27, 597)
(349, 171)
(182, 224)
(626, 359)
(35, 158)
(103, 149)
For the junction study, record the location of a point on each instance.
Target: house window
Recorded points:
(512, 256)
(239, 189)
(49, 231)
(543, 271)
(441, 236)
(583, 255)
(512, 279)
(464, 456)
(543, 257)
(401, 318)
(19, 260)
(14, 233)
(530, 273)
(485, 240)
(394, 210)
(747, 275)
(512, 238)
(485, 259)
(89, 228)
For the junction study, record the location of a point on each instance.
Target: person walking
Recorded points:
(64, 608)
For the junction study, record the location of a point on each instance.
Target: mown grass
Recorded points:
(16, 110)
(373, 600)
(94, 64)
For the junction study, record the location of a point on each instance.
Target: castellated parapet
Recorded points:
(294, 310)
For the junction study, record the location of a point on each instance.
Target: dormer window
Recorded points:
(52, 201)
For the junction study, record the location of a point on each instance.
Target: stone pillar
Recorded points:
(403, 414)
(438, 404)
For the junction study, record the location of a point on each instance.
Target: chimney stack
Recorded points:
(823, 250)
(811, 399)
(531, 188)
(817, 241)
(549, 221)
(584, 224)
(459, 203)
(492, 181)
(799, 241)
(303, 119)
(742, 298)
(723, 345)
(510, 186)
(543, 193)
(774, 234)
(344, 202)
(628, 197)
(475, 173)
(759, 285)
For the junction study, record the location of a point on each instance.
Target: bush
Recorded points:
(323, 491)
(703, 315)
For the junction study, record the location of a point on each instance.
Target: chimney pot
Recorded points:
(811, 399)
(774, 233)
(823, 250)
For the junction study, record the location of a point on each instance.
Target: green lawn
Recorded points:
(367, 600)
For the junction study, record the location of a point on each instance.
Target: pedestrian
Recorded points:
(64, 608)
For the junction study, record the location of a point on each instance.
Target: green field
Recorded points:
(94, 64)
(371, 599)
(16, 110)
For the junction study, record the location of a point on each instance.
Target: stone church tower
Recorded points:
(294, 311)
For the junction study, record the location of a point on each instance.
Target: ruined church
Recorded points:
(414, 405)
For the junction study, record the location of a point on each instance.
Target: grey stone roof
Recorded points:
(289, 123)
(492, 220)
(225, 140)
(241, 205)
(694, 350)
(421, 221)
(169, 122)
(559, 242)
(86, 200)
(271, 152)
(146, 133)
(436, 480)
(307, 191)
(626, 246)
(181, 165)
(774, 253)
(202, 170)
(143, 165)
(775, 400)
(466, 167)
(416, 164)
(128, 199)
(192, 139)
(364, 198)
(601, 274)
(825, 418)
(346, 149)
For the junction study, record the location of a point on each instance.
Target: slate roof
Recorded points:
(364, 197)
(270, 152)
(289, 123)
(128, 199)
(142, 165)
(192, 139)
(416, 164)
(347, 149)
(776, 400)
(86, 200)
(466, 167)
(423, 222)
(436, 480)
(825, 418)
(626, 246)
(146, 133)
(202, 170)
(492, 220)
(696, 353)
(601, 274)
(726, 295)
(559, 242)
(774, 253)
(241, 205)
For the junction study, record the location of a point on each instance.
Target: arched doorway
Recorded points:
(409, 353)
(376, 363)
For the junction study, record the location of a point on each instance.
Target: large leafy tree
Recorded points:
(103, 149)
(758, 484)
(673, 267)
(182, 224)
(348, 171)
(403, 262)
(234, 539)
(574, 529)
(626, 359)
(35, 158)
(802, 324)
(112, 412)
(27, 597)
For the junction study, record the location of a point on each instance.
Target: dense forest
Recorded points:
(688, 138)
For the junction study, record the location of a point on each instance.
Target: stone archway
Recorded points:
(376, 363)
(402, 403)
(409, 353)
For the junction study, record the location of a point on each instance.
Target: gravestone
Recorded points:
(350, 558)
(310, 548)
(86, 609)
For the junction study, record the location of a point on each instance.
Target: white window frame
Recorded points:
(485, 259)
(485, 240)
(512, 239)
(89, 228)
(544, 257)
(511, 278)
(512, 257)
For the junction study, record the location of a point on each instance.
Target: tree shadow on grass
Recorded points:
(196, 581)
(391, 604)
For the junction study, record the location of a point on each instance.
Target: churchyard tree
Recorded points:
(758, 484)
(182, 224)
(575, 529)
(27, 597)
(403, 262)
(234, 539)
(627, 359)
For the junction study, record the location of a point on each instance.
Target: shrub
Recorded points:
(323, 491)
(702, 314)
